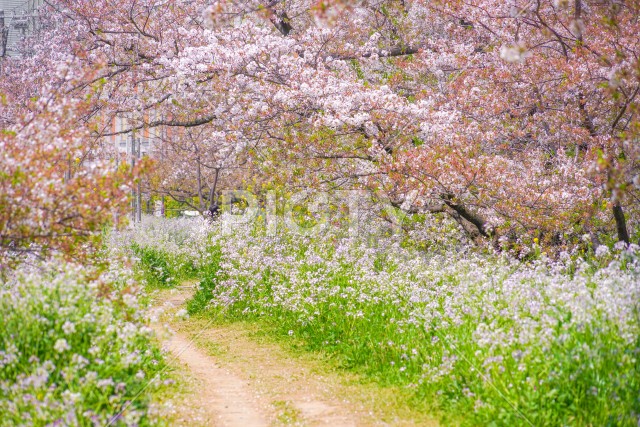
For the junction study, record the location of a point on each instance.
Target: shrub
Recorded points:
(156, 267)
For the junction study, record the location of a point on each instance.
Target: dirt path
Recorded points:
(235, 380)
(221, 396)
(218, 397)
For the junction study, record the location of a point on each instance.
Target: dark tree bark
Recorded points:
(214, 209)
(472, 223)
(281, 21)
(469, 216)
(621, 223)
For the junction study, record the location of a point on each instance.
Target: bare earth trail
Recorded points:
(235, 380)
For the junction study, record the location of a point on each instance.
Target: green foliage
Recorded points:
(591, 377)
(161, 269)
(209, 274)
(172, 207)
(156, 269)
(489, 340)
(358, 69)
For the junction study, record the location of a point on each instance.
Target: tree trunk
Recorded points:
(213, 206)
(199, 176)
(469, 216)
(621, 223)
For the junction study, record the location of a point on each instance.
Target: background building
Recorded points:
(17, 19)
(145, 139)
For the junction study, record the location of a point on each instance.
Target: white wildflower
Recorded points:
(182, 314)
(61, 345)
(602, 251)
(90, 377)
(68, 328)
(105, 383)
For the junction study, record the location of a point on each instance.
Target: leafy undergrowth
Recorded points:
(500, 341)
(74, 348)
(159, 271)
(209, 275)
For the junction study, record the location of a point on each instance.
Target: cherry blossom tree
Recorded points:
(518, 119)
(207, 162)
(448, 99)
(57, 190)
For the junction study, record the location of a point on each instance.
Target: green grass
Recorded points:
(287, 413)
(209, 276)
(567, 385)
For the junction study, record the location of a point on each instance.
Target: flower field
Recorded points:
(487, 339)
(75, 348)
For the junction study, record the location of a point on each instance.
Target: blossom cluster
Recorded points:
(521, 114)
